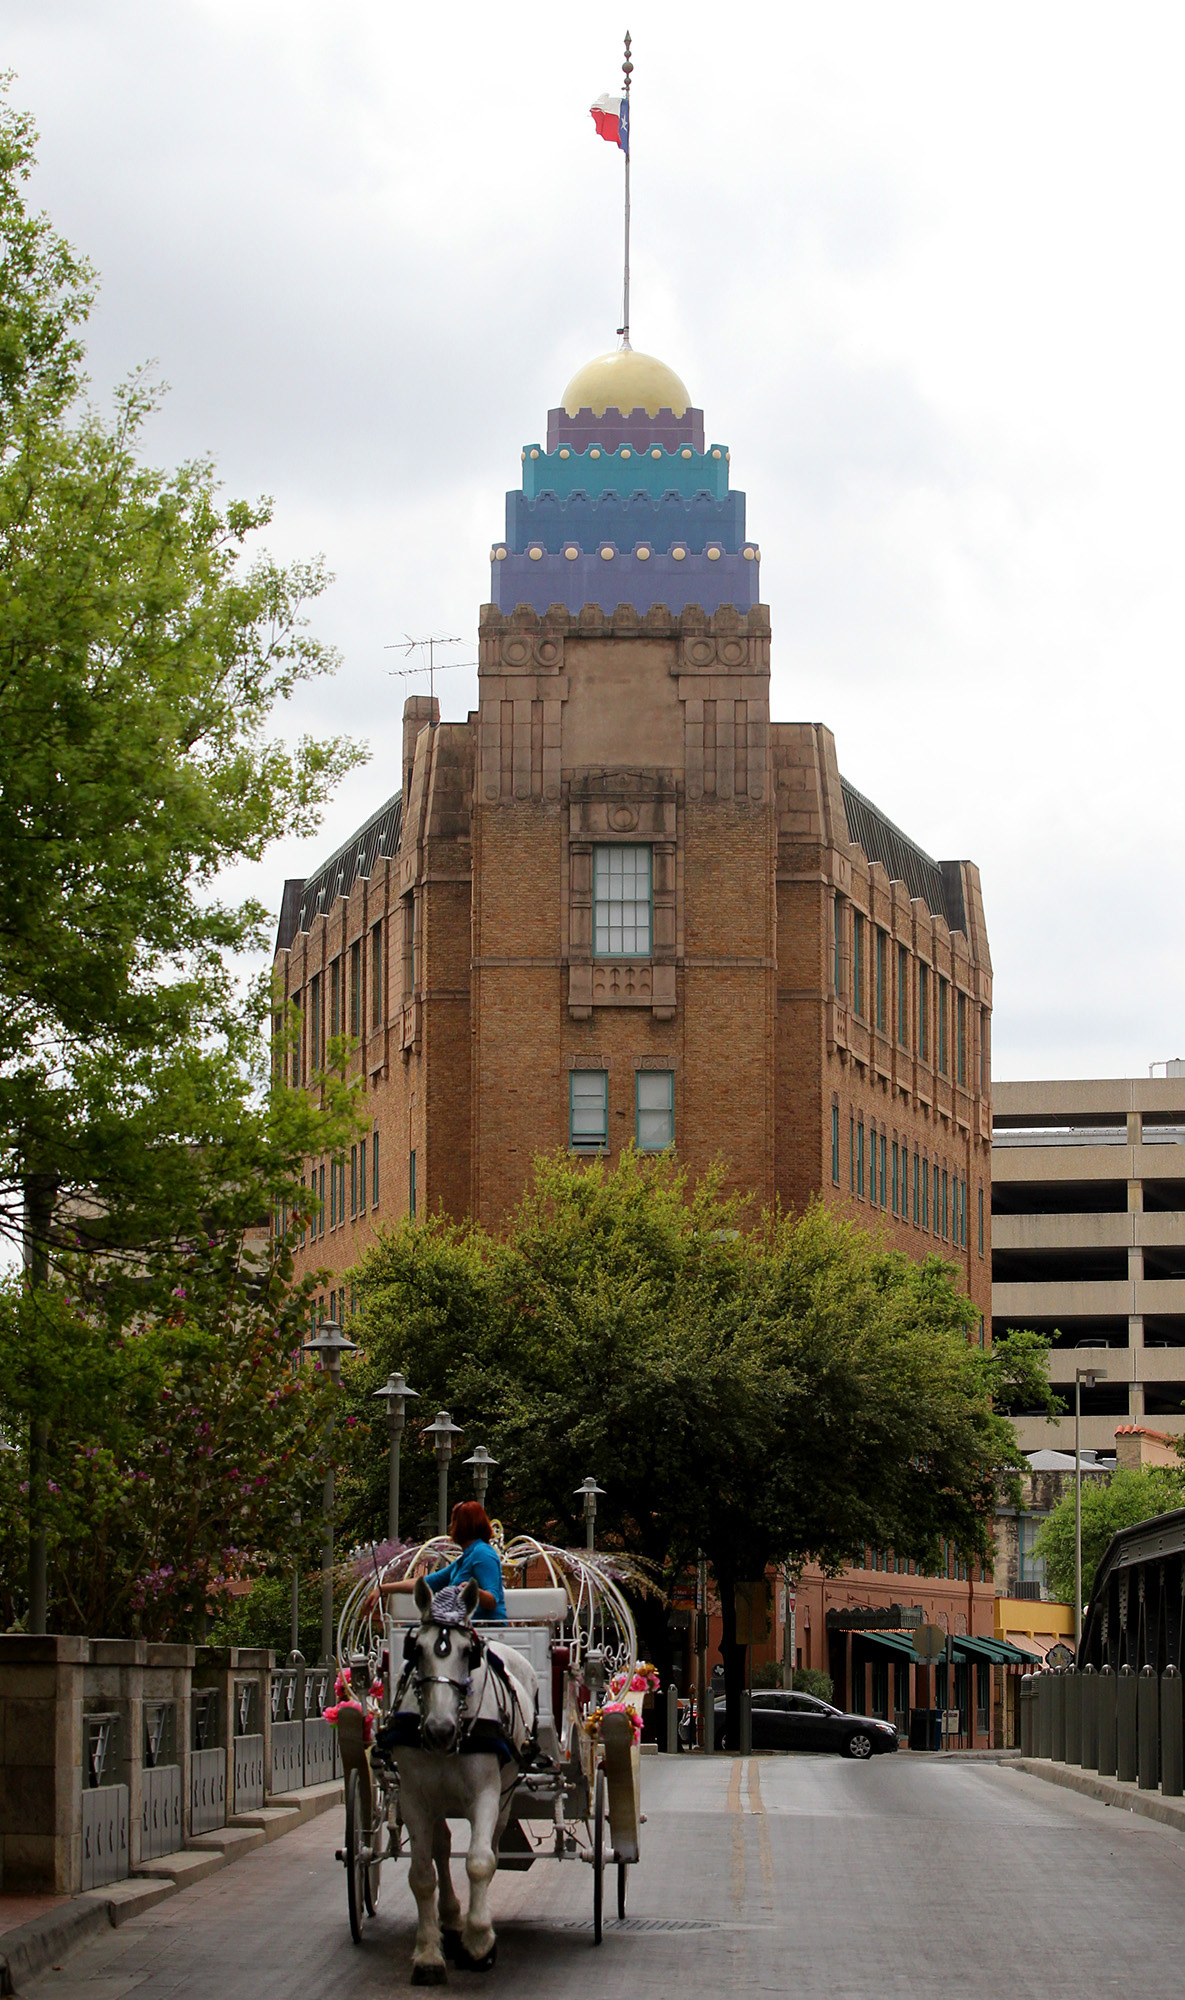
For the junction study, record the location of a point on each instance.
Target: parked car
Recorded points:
(803, 1722)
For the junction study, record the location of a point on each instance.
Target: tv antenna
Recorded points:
(407, 646)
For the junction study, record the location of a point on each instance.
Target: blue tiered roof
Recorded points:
(625, 508)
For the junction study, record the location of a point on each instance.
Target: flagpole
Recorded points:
(627, 69)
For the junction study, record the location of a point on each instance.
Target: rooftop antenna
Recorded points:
(627, 70)
(407, 646)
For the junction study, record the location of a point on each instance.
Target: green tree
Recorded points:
(143, 649)
(1132, 1494)
(788, 1391)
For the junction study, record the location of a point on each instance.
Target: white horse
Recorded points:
(464, 1712)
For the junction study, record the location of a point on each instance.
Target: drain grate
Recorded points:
(635, 1926)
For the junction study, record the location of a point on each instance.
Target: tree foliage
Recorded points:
(1132, 1494)
(784, 1392)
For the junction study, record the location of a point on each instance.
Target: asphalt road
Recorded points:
(804, 1876)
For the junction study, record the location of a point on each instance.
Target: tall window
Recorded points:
(924, 1013)
(333, 1194)
(896, 1184)
(981, 1222)
(857, 962)
(353, 1182)
(411, 1184)
(374, 1168)
(356, 987)
(916, 1180)
(298, 1037)
(654, 1109)
(362, 1175)
(945, 1206)
(925, 1193)
(335, 997)
(903, 996)
(837, 944)
(984, 1051)
(882, 980)
(884, 1150)
(943, 1009)
(321, 1191)
(961, 1039)
(588, 1110)
(835, 1144)
(851, 1155)
(872, 1166)
(376, 975)
(860, 1158)
(622, 897)
(315, 1023)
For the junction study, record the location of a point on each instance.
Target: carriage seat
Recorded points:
(531, 1606)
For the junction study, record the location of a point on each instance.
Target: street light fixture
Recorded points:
(1089, 1376)
(444, 1430)
(589, 1490)
(397, 1395)
(329, 1344)
(482, 1465)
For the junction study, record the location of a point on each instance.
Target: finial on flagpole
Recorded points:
(627, 70)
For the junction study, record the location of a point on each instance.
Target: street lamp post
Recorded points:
(444, 1430)
(329, 1343)
(482, 1465)
(396, 1395)
(589, 1490)
(1090, 1376)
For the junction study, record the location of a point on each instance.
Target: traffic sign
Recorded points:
(929, 1641)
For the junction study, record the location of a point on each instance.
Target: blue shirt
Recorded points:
(481, 1562)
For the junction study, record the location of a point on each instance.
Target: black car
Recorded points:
(803, 1722)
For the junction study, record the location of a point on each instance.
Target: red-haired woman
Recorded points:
(479, 1559)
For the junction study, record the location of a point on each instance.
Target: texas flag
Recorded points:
(611, 116)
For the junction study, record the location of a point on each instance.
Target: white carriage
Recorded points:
(576, 1796)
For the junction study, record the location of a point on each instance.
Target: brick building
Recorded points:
(617, 904)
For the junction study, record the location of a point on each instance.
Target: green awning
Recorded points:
(896, 1643)
(998, 1651)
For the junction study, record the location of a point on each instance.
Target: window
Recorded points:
(981, 1222)
(983, 1051)
(335, 998)
(852, 1155)
(882, 980)
(374, 1168)
(588, 1110)
(654, 1109)
(1030, 1567)
(945, 1205)
(961, 1039)
(860, 1159)
(835, 1144)
(925, 1193)
(924, 1013)
(362, 1175)
(837, 945)
(872, 1166)
(411, 1184)
(943, 997)
(884, 1148)
(916, 1179)
(857, 962)
(315, 1023)
(353, 1182)
(297, 1038)
(376, 975)
(895, 1174)
(356, 987)
(303, 1219)
(333, 1194)
(407, 945)
(621, 902)
(903, 996)
(321, 1226)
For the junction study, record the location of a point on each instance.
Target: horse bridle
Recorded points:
(476, 1657)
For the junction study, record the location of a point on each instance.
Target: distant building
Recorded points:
(1088, 1244)
(618, 905)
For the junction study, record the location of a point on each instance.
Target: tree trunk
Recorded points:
(40, 1195)
(731, 1653)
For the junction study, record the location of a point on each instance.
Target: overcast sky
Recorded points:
(919, 263)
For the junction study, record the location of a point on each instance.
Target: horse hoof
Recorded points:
(451, 1946)
(429, 1975)
(483, 1964)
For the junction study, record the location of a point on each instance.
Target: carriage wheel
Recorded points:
(621, 1868)
(598, 1856)
(362, 1877)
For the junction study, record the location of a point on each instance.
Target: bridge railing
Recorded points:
(1128, 1725)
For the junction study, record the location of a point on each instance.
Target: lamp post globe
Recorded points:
(482, 1465)
(396, 1395)
(588, 1490)
(329, 1344)
(442, 1433)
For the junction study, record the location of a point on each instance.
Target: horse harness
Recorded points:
(478, 1654)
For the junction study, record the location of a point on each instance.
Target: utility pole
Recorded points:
(1089, 1376)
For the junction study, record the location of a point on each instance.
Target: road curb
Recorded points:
(28, 1948)
(1108, 1791)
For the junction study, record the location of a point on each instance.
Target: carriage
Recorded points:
(576, 1790)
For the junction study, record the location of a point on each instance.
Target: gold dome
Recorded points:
(625, 381)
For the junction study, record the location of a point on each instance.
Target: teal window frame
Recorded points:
(857, 964)
(981, 1221)
(903, 996)
(644, 1079)
(835, 1145)
(943, 1038)
(916, 1177)
(353, 1182)
(374, 1169)
(837, 945)
(606, 924)
(884, 1152)
(923, 1040)
(362, 1183)
(961, 1038)
(314, 1024)
(356, 988)
(321, 1216)
(852, 1155)
(860, 1158)
(584, 1142)
(882, 978)
(896, 1171)
(925, 1194)
(411, 1184)
(376, 974)
(945, 1206)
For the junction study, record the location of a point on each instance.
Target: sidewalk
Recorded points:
(1108, 1791)
(58, 1924)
